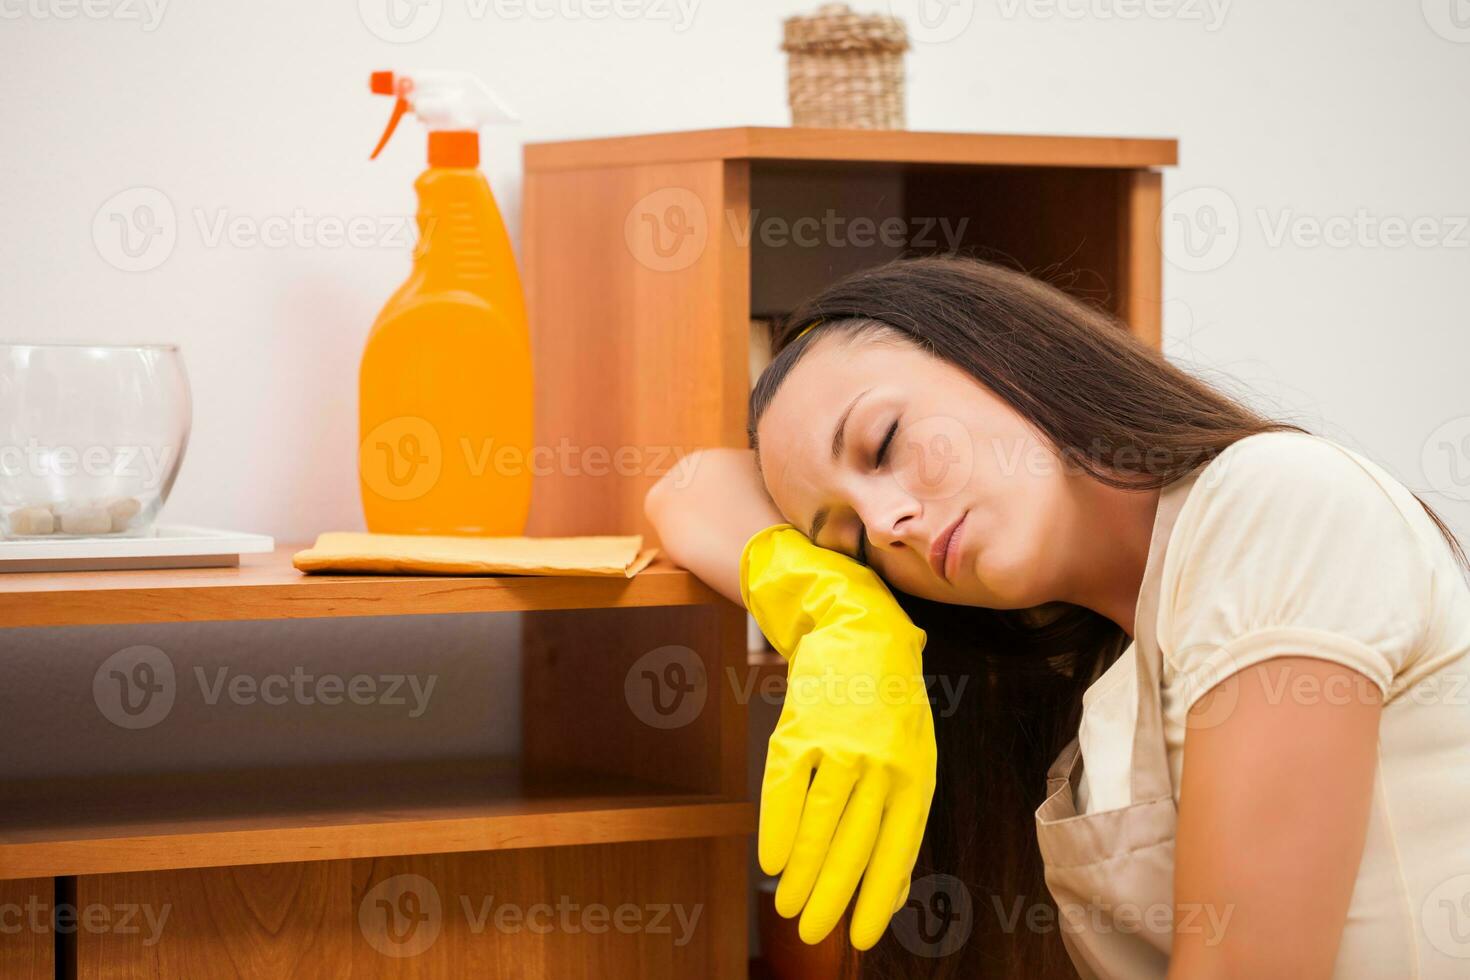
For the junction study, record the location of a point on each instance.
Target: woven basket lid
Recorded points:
(833, 27)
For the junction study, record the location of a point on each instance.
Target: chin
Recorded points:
(1001, 584)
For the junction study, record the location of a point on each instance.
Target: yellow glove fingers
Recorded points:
(783, 794)
(852, 845)
(825, 802)
(838, 623)
(890, 868)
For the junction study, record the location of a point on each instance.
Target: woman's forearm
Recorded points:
(704, 511)
(1273, 815)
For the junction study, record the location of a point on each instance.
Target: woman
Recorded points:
(1097, 544)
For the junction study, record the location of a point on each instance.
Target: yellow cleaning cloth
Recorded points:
(425, 554)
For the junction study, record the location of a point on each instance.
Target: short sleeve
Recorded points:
(1287, 546)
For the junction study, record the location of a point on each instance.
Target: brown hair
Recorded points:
(1106, 402)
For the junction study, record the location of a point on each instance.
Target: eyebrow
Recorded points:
(839, 439)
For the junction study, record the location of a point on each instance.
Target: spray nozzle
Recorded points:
(444, 101)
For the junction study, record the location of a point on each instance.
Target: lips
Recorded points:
(939, 551)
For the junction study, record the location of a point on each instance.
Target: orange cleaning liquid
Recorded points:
(445, 396)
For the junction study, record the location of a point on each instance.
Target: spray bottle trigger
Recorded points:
(399, 108)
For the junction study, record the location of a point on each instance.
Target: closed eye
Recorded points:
(883, 446)
(861, 552)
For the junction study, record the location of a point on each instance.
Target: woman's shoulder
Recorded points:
(1287, 458)
(1300, 480)
(1289, 541)
(1290, 476)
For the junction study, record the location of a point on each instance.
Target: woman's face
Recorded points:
(905, 461)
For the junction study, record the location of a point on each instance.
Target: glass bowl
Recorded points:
(91, 437)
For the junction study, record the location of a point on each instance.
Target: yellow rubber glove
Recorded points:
(857, 715)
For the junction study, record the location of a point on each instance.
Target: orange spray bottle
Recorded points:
(444, 400)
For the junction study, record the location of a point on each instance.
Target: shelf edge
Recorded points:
(168, 852)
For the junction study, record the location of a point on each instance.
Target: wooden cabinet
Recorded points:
(27, 930)
(646, 258)
(609, 846)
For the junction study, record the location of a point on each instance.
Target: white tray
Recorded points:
(170, 546)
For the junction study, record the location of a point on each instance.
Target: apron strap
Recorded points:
(1150, 769)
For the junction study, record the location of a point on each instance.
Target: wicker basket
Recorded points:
(845, 70)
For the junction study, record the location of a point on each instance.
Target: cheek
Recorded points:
(1014, 459)
(939, 458)
(1016, 553)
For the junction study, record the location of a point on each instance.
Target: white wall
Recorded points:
(1314, 108)
(1311, 109)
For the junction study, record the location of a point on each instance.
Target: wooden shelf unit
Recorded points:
(646, 259)
(599, 805)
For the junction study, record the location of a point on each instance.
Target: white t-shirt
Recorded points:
(1292, 545)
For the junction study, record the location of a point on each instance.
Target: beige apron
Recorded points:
(1112, 873)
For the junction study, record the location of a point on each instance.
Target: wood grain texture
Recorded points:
(610, 911)
(1140, 254)
(137, 823)
(638, 294)
(27, 934)
(892, 146)
(273, 920)
(269, 587)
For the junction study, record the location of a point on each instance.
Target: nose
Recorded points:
(888, 515)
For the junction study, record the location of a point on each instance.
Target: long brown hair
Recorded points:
(1106, 402)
